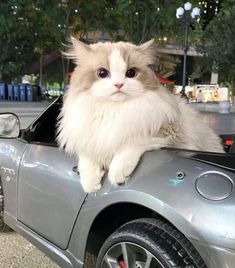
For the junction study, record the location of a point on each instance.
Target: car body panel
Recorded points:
(215, 256)
(11, 151)
(49, 193)
(154, 185)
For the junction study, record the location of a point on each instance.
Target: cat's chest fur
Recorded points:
(103, 127)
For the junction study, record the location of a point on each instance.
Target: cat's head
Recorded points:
(113, 71)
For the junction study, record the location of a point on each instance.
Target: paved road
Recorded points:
(221, 123)
(16, 252)
(27, 111)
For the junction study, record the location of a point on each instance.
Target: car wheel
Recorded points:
(148, 243)
(3, 226)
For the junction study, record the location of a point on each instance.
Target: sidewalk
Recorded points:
(11, 106)
(208, 107)
(17, 252)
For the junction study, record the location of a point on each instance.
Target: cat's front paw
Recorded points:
(90, 186)
(121, 168)
(91, 181)
(91, 175)
(118, 176)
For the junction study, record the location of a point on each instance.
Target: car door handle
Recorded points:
(75, 169)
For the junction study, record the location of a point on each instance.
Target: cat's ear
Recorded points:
(148, 51)
(146, 45)
(76, 50)
(79, 46)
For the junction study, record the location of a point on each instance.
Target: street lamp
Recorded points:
(187, 15)
(65, 4)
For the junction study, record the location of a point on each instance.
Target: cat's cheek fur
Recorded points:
(102, 88)
(134, 87)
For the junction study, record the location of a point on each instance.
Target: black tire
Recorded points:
(3, 226)
(151, 239)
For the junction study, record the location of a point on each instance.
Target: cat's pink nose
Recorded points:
(118, 85)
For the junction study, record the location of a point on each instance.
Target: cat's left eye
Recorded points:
(131, 73)
(102, 73)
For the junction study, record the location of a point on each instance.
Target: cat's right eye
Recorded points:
(131, 73)
(102, 73)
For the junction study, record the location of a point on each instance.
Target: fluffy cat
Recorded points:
(115, 110)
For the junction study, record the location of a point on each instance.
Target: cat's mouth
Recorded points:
(118, 92)
(118, 96)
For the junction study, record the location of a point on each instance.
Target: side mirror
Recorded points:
(9, 125)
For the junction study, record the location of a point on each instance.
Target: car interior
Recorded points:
(43, 130)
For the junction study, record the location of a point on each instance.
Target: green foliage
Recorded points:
(219, 42)
(139, 20)
(54, 72)
(142, 20)
(96, 15)
(31, 28)
(28, 28)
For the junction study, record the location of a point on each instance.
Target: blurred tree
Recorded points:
(140, 20)
(95, 16)
(143, 20)
(28, 29)
(219, 43)
(54, 73)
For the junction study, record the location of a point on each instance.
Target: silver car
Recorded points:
(177, 210)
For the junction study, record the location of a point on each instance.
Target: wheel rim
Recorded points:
(129, 255)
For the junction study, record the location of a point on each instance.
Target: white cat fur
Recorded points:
(110, 130)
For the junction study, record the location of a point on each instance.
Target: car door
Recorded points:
(49, 190)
